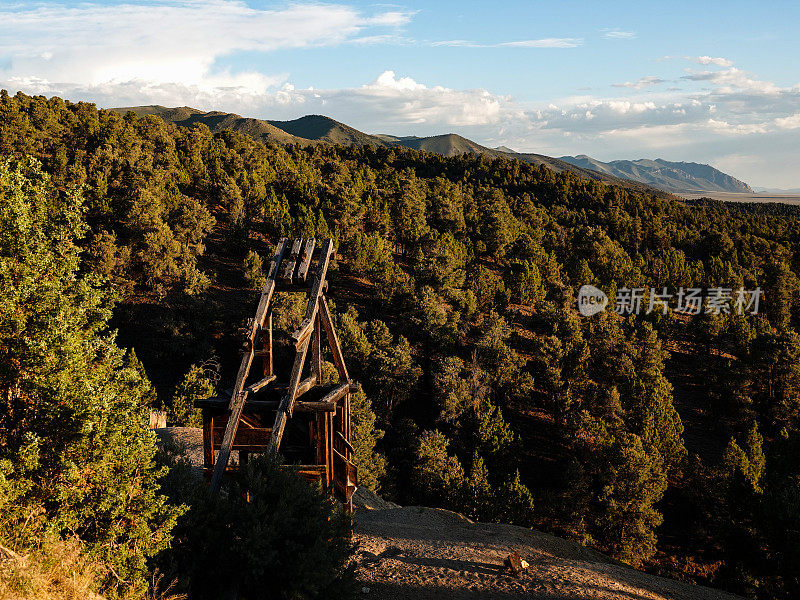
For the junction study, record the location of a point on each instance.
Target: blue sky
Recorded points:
(707, 82)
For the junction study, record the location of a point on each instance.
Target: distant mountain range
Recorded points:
(778, 191)
(643, 175)
(665, 175)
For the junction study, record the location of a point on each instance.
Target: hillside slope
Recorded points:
(643, 175)
(416, 553)
(324, 129)
(668, 176)
(452, 144)
(448, 144)
(216, 121)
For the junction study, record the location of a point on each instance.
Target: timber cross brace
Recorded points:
(266, 415)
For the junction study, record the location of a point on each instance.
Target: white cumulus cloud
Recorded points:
(711, 60)
(790, 122)
(172, 42)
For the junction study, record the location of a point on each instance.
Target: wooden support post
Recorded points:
(305, 259)
(266, 341)
(316, 350)
(287, 402)
(347, 423)
(329, 428)
(320, 439)
(301, 337)
(329, 448)
(208, 439)
(333, 340)
(290, 265)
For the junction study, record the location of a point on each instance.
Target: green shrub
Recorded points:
(197, 384)
(288, 541)
(253, 271)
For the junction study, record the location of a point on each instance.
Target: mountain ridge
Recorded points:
(315, 129)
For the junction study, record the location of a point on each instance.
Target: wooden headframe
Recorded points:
(326, 407)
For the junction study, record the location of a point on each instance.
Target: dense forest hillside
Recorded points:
(319, 128)
(666, 439)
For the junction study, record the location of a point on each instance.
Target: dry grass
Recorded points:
(55, 571)
(58, 570)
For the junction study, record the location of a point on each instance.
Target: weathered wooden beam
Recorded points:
(291, 264)
(333, 340)
(305, 259)
(345, 441)
(317, 471)
(259, 385)
(266, 344)
(316, 291)
(305, 385)
(250, 439)
(302, 333)
(287, 402)
(316, 349)
(268, 405)
(346, 420)
(329, 446)
(238, 395)
(314, 407)
(335, 394)
(213, 402)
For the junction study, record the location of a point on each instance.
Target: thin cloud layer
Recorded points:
(540, 43)
(617, 34)
(640, 83)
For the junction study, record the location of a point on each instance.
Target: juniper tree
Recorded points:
(76, 454)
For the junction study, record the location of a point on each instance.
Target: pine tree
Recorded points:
(253, 271)
(364, 436)
(632, 483)
(438, 476)
(514, 502)
(451, 389)
(478, 497)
